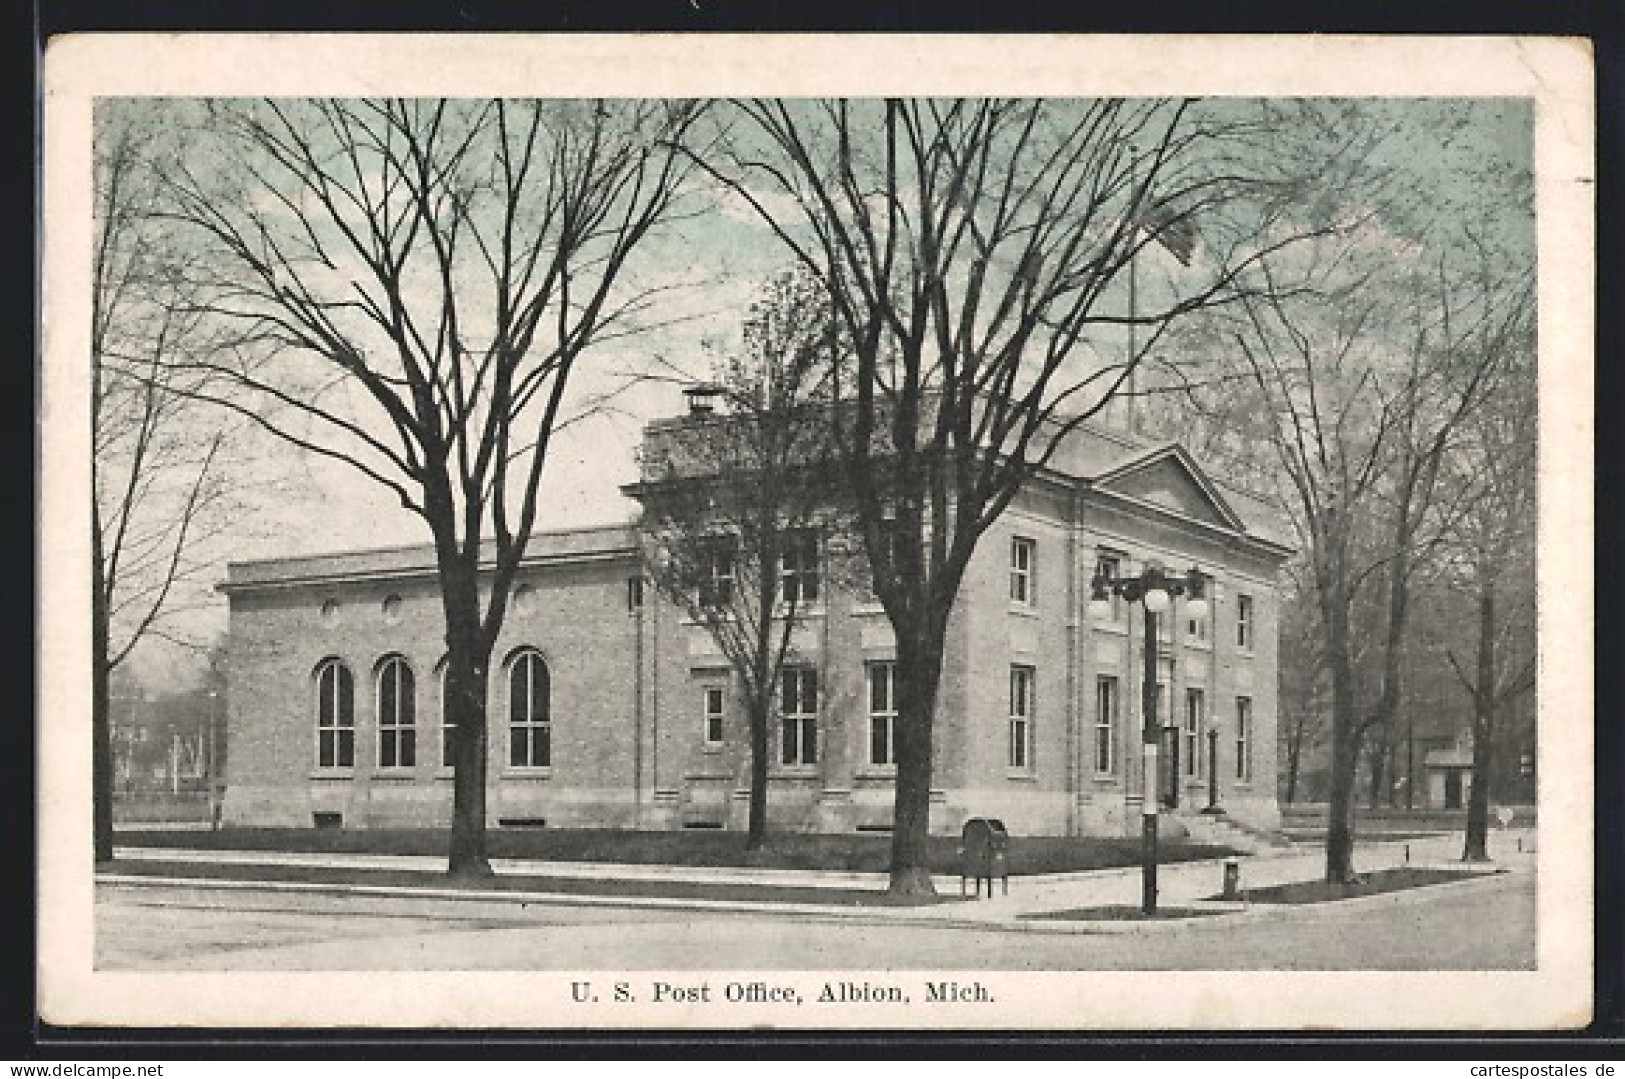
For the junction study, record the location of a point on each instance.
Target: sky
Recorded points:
(721, 258)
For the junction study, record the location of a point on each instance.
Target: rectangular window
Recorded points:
(1023, 559)
(1021, 717)
(798, 714)
(634, 593)
(1244, 622)
(1244, 739)
(798, 568)
(1193, 732)
(717, 572)
(1106, 725)
(882, 713)
(1196, 628)
(1110, 566)
(716, 703)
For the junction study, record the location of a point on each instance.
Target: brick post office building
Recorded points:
(610, 709)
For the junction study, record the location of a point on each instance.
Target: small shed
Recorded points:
(1449, 777)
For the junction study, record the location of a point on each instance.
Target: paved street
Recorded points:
(1487, 924)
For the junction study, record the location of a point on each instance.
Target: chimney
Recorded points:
(702, 398)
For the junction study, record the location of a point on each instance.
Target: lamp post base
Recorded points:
(1148, 880)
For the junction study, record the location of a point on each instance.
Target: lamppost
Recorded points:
(212, 765)
(1155, 590)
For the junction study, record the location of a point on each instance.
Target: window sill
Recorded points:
(866, 607)
(1107, 778)
(522, 772)
(1117, 626)
(885, 772)
(333, 773)
(1025, 610)
(1021, 775)
(794, 771)
(712, 748)
(396, 775)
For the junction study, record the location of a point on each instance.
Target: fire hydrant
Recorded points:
(1232, 879)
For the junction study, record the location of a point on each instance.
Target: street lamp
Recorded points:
(1156, 591)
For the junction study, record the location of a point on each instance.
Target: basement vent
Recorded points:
(875, 828)
(702, 824)
(522, 822)
(328, 820)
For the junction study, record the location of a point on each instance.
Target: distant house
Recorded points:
(609, 708)
(1449, 774)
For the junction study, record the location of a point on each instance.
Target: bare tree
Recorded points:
(739, 510)
(1396, 331)
(976, 256)
(1493, 548)
(1364, 424)
(428, 273)
(157, 460)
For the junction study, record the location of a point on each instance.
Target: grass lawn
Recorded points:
(1386, 880)
(852, 852)
(513, 882)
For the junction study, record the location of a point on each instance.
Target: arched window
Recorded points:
(530, 728)
(335, 715)
(397, 715)
(448, 729)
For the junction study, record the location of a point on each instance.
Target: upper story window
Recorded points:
(1244, 622)
(798, 713)
(1109, 564)
(1021, 717)
(397, 715)
(717, 571)
(882, 713)
(335, 715)
(1023, 567)
(530, 722)
(716, 707)
(798, 568)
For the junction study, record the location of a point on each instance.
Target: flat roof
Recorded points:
(594, 544)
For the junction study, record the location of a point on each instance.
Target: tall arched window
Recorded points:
(397, 715)
(335, 715)
(448, 729)
(530, 728)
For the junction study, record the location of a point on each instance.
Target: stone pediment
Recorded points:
(1169, 478)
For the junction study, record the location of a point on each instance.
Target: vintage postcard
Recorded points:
(819, 532)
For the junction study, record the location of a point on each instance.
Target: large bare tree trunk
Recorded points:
(1345, 745)
(1476, 847)
(919, 674)
(468, 666)
(761, 710)
(101, 726)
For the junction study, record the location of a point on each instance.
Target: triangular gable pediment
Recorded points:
(1169, 478)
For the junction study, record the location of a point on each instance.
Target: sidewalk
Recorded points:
(1189, 886)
